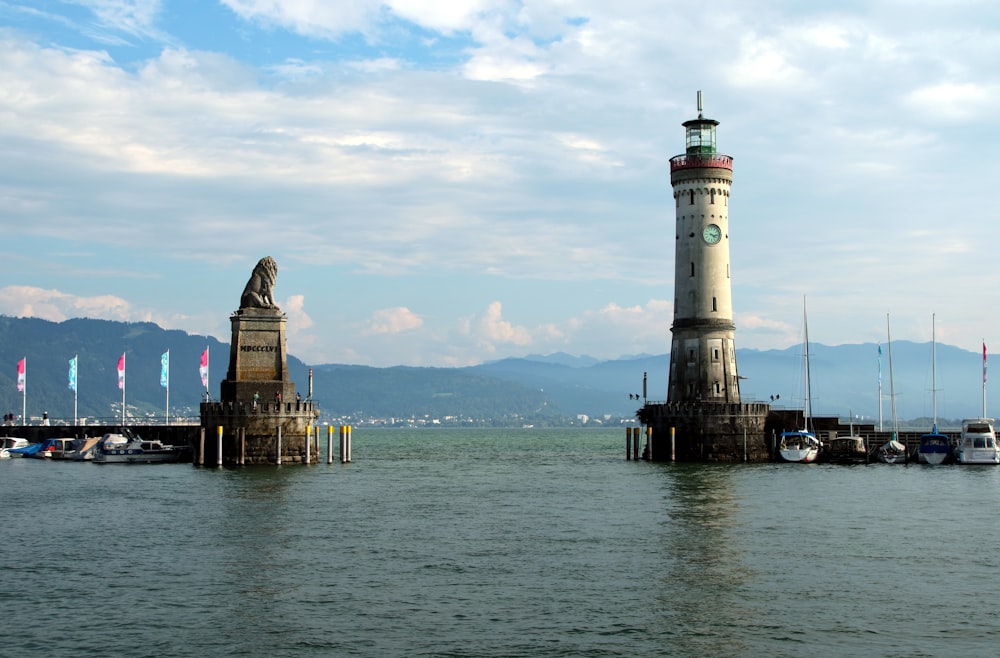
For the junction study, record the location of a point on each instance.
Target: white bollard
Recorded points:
(329, 444)
(218, 447)
(278, 462)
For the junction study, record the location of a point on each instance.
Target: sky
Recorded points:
(443, 184)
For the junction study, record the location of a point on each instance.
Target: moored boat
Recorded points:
(7, 443)
(57, 448)
(934, 448)
(892, 451)
(801, 446)
(847, 450)
(978, 442)
(125, 448)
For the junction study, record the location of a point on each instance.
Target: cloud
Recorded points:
(29, 301)
(492, 330)
(294, 308)
(309, 17)
(393, 321)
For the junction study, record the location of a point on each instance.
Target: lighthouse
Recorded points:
(703, 347)
(704, 418)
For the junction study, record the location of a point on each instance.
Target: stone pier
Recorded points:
(707, 431)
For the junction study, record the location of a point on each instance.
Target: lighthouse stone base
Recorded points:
(706, 431)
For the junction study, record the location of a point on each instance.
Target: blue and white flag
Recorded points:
(72, 374)
(165, 369)
(880, 364)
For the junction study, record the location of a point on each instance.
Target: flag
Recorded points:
(72, 374)
(880, 364)
(20, 374)
(121, 371)
(984, 361)
(165, 369)
(203, 370)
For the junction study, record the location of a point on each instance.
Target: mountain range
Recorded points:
(554, 389)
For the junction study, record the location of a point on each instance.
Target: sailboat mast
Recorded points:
(808, 406)
(892, 385)
(934, 368)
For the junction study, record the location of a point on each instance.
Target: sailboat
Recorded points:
(801, 446)
(934, 447)
(892, 451)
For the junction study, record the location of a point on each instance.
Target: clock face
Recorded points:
(712, 234)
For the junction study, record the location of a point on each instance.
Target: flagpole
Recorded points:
(24, 395)
(76, 386)
(203, 371)
(984, 378)
(166, 381)
(123, 389)
(880, 387)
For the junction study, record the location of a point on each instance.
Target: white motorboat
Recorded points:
(116, 448)
(978, 442)
(58, 448)
(8, 442)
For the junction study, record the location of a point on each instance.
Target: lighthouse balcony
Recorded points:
(693, 160)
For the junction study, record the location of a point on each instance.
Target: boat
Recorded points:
(57, 448)
(978, 442)
(801, 446)
(934, 448)
(892, 451)
(26, 451)
(126, 448)
(11, 442)
(849, 449)
(86, 447)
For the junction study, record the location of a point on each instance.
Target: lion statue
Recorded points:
(259, 290)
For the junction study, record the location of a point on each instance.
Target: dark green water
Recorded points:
(498, 543)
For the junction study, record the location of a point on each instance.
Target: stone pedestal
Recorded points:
(258, 358)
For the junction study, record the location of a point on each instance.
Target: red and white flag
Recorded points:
(20, 374)
(984, 361)
(121, 371)
(203, 370)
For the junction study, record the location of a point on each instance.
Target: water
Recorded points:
(498, 543)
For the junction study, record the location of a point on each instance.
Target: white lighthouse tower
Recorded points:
(703, 349)
(703, 418)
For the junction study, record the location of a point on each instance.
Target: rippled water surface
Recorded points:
(498, 543)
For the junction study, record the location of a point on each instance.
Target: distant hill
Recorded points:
(539, 390)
